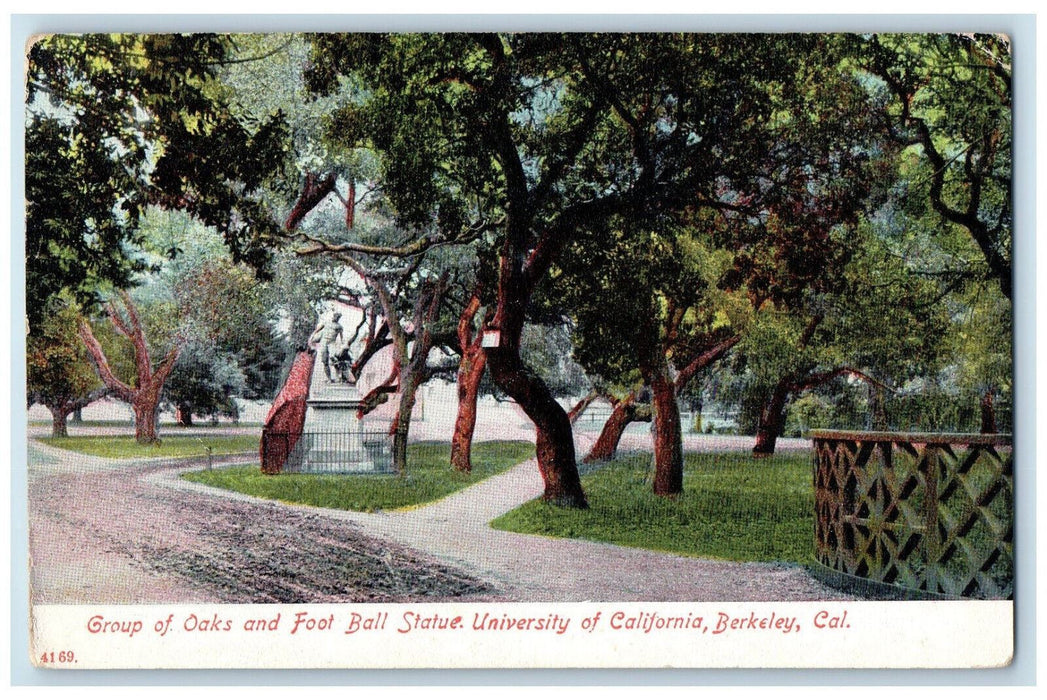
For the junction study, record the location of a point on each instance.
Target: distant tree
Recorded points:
(229, 309)
(878, 323)
(58, 373)
(144, 394)
(204, 381)
(978, 354)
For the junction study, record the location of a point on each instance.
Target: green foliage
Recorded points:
(205, 380)
(119, 121)
(980, 347)
(812, 412)
(654, 186)
(882, 319)
(733, 507)
(77, 231)
(231, 319)
(57, 366)
(266, 78)
(297, 286)
(560, 133)
(428, 479)
(948, 97)
(547, 348)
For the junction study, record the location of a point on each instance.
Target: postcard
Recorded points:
(522, 349)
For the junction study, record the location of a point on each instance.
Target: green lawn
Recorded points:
(164, 425)
(430, 477)
(733, 507)
(124, 446)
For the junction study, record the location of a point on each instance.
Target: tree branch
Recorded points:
(313, 192)
(819, 378)
(94, 348)
(704, 360)
(165, 367)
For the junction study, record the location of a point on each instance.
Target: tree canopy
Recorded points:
(816, 204)
(117, 122)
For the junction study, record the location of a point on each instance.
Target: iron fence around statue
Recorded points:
(356, 452)
(929, 514)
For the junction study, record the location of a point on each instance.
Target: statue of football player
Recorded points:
(327, 338)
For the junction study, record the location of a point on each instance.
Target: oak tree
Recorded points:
(530, 139)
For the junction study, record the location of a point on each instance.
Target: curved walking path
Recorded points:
(128, 531)
(536, 568)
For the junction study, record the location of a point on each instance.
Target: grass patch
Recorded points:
(164, 424)
(733, 507)
(125, 447)
(429, 478)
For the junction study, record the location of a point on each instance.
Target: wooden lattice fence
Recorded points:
(929, 513)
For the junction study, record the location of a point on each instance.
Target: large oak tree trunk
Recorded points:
(606, 446)
(58, 421)
(144, 397)
(772, 421)
(518, 272)
(624, 412)
(471, 370)
(668, 440)
(554, 440)
(147, 413)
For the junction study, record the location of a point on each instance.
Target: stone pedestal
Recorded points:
(334, 440)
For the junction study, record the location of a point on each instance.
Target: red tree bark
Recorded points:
(61, 408)
(313, 192)
(286, 418)
(144, 397)
(988, 414)
(554, 440)
(623, 413)
(579, 408)
(772, 420)
(184, 415)
(772, 417)
(628, 411)
(554, 444)
(470, 371)
(668, 441)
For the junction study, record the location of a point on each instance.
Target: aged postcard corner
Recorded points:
(532, 350)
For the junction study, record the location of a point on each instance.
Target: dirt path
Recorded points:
(106, 531)
(131, 532)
